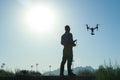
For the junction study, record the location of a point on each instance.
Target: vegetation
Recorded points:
(108, 73)
(104, 72)
(27, 73)
(85, 73)
(4, 73)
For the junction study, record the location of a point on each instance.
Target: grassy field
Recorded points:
(104, 72)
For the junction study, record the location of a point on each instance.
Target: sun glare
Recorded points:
(40, 19)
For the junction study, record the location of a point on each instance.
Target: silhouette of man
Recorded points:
(68, 43)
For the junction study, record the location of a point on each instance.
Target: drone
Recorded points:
(92, 29)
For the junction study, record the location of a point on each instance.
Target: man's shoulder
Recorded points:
(70, 33)
(63, 35)
(67, 34)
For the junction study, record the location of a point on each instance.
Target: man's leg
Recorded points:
(62, 66)
(69, 63)
(70, 59)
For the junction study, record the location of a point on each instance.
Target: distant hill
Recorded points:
(75, 70)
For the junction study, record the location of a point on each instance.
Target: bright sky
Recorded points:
(25, 41)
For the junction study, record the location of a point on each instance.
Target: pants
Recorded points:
(67, 56)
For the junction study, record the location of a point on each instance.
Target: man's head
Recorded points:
(67, 28)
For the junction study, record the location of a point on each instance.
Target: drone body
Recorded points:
(92, 29)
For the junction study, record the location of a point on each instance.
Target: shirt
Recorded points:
(67, 39)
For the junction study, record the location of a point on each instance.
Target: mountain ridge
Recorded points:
(75, 70)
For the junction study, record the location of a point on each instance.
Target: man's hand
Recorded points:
(74, 42)
(74, 45)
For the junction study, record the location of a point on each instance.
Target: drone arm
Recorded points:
(97, 26)
(87, 27)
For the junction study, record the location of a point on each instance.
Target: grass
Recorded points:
(4, 73)
(108, 73)
(104, 72)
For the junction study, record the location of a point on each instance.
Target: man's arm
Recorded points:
(63, 40)
(73, 41)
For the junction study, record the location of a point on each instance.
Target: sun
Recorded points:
(40, 19)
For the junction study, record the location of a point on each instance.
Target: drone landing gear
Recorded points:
(92, 34)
